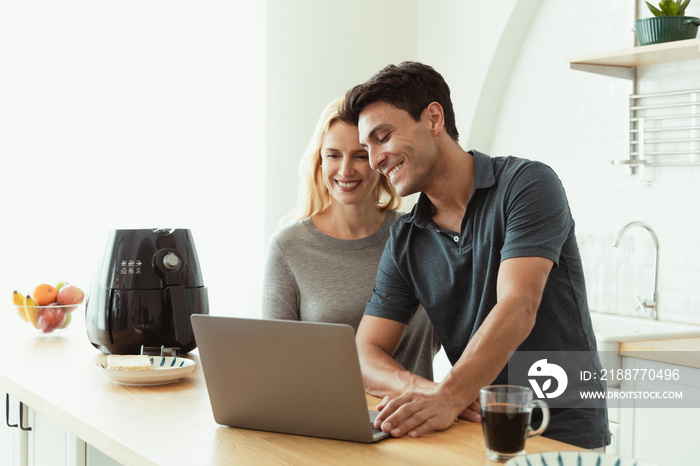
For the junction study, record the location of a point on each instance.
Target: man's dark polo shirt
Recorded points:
(518, 208)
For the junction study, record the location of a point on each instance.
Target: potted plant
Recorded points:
(669, 23)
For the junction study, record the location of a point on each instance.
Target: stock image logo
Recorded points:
(580, 379)
(544, 372)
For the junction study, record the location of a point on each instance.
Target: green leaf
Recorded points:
(669, 7)
(654, 10)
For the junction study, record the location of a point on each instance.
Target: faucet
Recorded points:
(647, 305)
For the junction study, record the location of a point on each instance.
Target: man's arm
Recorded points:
(520, 284)
(377, 340)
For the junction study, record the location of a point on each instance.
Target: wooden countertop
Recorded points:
(173, 424)
(681, 351)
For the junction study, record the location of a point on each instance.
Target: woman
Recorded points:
(322, 264)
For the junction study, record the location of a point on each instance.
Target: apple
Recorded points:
(69, 317)
(70, 294)
(50, 318)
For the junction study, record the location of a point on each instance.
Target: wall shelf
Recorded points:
(622, 63)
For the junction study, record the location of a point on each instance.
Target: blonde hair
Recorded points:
(313, 196)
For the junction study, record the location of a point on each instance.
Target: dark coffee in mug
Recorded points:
(505, 419)
(505, 427)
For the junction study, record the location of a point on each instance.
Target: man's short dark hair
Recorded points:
(410, 86)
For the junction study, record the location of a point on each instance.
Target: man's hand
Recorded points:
(417, 413)
(473, 412)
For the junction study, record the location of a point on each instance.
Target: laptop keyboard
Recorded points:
(376, 433)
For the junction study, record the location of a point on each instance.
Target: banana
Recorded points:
(32, 309)
(18, 300)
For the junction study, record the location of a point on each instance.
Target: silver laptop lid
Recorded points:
(284, 376)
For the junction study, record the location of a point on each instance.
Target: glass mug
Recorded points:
(506, 411)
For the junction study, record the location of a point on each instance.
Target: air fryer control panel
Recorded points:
(148, 259)
(130, 267)
(169, 262)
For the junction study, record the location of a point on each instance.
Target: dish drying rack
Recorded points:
(664, 130)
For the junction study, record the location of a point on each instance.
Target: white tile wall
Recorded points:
(577, 123)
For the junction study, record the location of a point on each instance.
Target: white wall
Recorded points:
(316, 51)
(131, 115)
(475, 52)
(577, 123)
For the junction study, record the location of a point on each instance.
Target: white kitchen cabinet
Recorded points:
(95, 457)
(614, 447)
(665, 436)
(614, 412)
(13, 440)
(42, 442)
(51, 445)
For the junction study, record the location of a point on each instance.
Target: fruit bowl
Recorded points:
(48, 309)
(52, 318)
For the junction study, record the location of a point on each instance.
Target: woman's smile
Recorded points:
(349, 185)
(345, 166)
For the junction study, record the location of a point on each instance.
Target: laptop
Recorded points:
(284, 376)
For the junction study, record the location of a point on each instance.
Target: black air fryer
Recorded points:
(144, 291)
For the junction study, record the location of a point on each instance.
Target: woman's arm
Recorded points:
(281, 297)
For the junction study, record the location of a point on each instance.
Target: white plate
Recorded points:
(166, 369)
(574, 458)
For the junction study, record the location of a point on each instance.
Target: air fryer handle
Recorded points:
(175, 295)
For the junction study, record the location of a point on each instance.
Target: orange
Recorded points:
(45, 294)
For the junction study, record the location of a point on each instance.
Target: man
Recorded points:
(489, 250)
